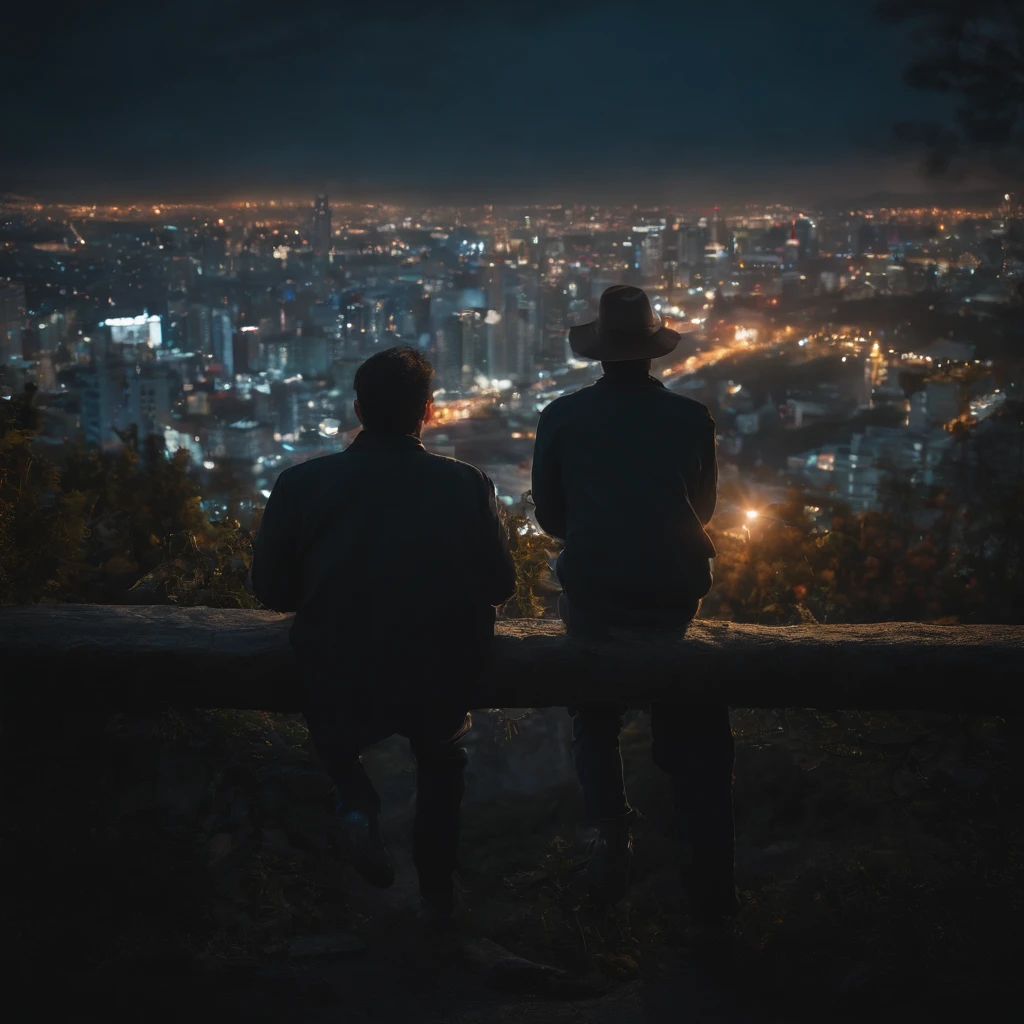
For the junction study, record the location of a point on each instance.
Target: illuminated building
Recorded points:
(807, 235)
(652, 258)
(135, 330)
(223, 344)
(791, 251)
(553, 311)
(461, 350)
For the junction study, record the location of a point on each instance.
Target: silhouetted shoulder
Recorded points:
(591, 396)
(307, 473)
(567, 405)
(686, 406)
(445, 466)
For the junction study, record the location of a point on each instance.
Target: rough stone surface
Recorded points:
(123, 657)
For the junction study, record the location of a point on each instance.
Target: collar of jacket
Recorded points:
(371, 440)
(628, 381)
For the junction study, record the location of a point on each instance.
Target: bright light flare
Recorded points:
(752, 513)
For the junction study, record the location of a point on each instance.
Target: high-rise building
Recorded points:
(223, 344)
(461, 350)
(199, 329)
(103, 395)
(691, 240)
(214, 249)
(807, 236)
(791, 251)
(12, 319)
(553, 315)
(719, 230)
(150, 394)
(321, 233)
(652, 258)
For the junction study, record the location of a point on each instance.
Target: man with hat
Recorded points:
(625, 472)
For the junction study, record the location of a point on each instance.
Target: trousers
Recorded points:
(692, 744)
(341, 729)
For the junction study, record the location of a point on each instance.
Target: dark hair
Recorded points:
(393, 388)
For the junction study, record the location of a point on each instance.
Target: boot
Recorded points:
(611, 857)
(360, 836)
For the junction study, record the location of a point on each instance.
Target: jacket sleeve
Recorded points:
(548, 496)
(499, 571)
(706, 498)
(275, 565)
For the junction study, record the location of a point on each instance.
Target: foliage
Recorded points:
(89, 530)
(138, 498)
(532, 552)
(42, 528)
(973, 53)
(206, 567)
(925, 557)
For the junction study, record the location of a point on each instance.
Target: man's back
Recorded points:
(625, 472)
(396, 556)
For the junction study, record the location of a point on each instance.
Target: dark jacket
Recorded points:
(625, 472)
(393, 560)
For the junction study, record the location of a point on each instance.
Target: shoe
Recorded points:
(611, 858)
(363, 843)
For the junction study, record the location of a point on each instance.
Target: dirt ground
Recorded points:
(878, 859)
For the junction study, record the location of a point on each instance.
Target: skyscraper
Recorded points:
(321, 234)
(719, 230)
(652, 258)
(691, 239)
(223, 344)
(103, 402)
(149, 397)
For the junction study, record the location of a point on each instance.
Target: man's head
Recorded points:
(394, 391)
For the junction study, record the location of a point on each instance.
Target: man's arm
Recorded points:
(548, 496)
(275, 571)
(499, 571)
(706, 498)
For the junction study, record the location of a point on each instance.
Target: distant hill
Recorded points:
(979, 199)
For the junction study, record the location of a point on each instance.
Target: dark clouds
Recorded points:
(452, 97)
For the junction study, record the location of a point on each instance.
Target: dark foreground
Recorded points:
(174, 867)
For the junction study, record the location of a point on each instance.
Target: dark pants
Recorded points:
(340, 730)
(692, 744)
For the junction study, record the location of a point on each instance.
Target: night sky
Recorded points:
(560, 98)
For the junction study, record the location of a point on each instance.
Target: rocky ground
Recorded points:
(175, 867)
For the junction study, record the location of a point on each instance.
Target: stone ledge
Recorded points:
(120, 657)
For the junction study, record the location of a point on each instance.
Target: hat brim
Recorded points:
(589, 342)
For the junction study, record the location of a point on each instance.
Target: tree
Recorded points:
(972, 52)
(42, 527)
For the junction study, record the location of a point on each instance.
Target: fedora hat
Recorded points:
(626, 328)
